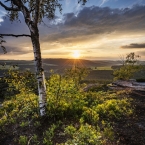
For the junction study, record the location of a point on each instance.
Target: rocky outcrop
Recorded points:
(130, 84)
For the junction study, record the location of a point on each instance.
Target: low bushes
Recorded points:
(73, 116)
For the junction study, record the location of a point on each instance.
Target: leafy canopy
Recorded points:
(36, 8)
(127, 71)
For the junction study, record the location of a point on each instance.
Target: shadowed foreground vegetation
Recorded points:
(73, 117)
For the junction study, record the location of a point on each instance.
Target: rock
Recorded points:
(130, 84)
(88, 87)
(122, 83)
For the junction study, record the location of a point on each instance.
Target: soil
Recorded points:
(131, 131)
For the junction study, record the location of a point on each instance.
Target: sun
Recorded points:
(76, 54)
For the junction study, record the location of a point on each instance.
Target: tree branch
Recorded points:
(13, 35)
(32, 9)
(9, 8)
(37, 9)
(25, 12)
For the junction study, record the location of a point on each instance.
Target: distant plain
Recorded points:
(98, 69)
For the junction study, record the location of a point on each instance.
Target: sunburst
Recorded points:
(76, 54)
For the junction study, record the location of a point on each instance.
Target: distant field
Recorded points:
(102, 68)
(26, 64)
(100, 75)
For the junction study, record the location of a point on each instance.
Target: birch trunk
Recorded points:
(33, 27)
(39, 71)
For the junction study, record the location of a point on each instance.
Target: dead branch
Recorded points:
(13, 35)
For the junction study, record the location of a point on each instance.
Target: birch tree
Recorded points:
(33, 12)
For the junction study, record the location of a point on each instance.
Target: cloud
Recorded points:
(90, 21)
(16, 27)
(103, 1)
(97, 21)
(134, 45)
(16, 50)
(85, 30)
(67, 2)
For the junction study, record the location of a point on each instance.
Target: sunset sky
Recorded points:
(102, 29)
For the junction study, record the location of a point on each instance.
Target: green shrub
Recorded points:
(125, 72)
(24, 124)
(82, 113)
(23, 140)
(129, 67)
(85, 135)
(114, 108)
(48, 135)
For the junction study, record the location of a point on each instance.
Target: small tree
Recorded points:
(131, 59)
(34, 11)
(77, 74)
(129, 68)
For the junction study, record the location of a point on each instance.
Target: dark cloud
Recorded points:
(90, 21)
(97, 20)
(15, 27)
(100, 19)
(15, 46)
(15, 50)
(134, 45)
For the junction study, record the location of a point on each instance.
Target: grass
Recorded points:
(104, 68)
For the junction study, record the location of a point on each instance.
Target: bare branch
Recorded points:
(9, 8)
(13, 35)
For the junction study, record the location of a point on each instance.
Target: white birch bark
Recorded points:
(39, 74)
(32, 25)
